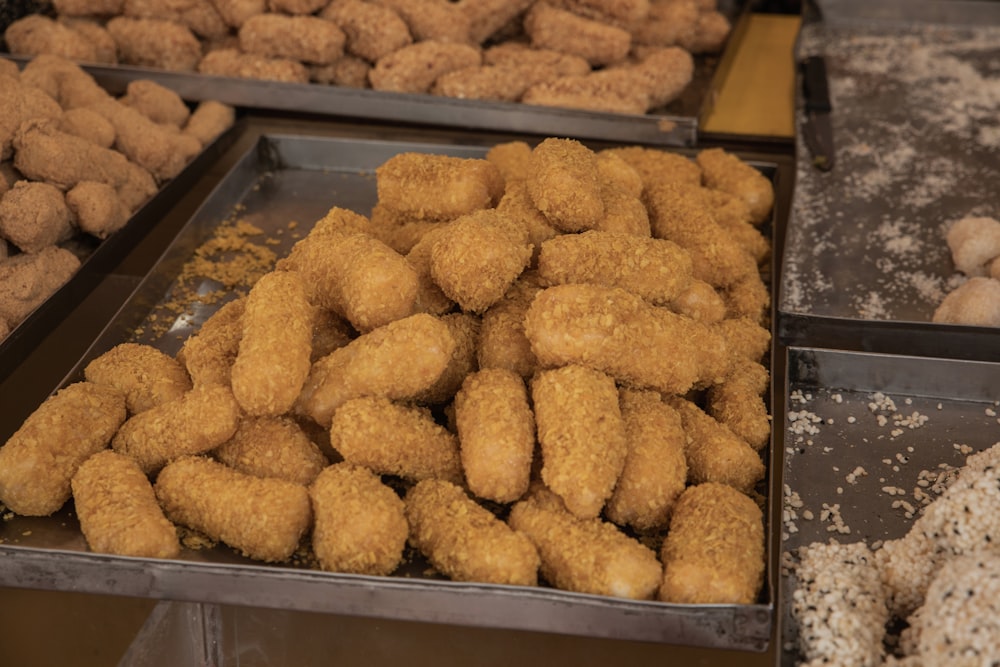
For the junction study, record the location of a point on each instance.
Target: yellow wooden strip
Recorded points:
(757, 95)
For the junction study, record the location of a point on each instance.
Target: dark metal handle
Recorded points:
(814, 84)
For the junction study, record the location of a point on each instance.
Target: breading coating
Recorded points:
(430, 298)
(38, 461)
(746, 338)
(512, 158)
(118, 510)
(157, 102)
(522, 55)
(496, 434)
(663, 73)
(155, 43)
(606, 90)
(235, 63)
(97, 208)
(437, 187)
(145, 375)
(200, 16)
(43, 153)
(395, 439)
(34, 215)
(655, 471)
(976, 302)
(464, 329)
(359, 522)
(28, 279)
(564, 184)
(657, 166)
(501, 83)
(272, 447)
(738, 403)
(714, 551)
(350, 71)
(487, 17)
(105, 49)
(209, 353)
(295, 6)
(517, 204)
(209, 120)
(624, 213)
(502, 339)
(88, 7)
(63, 81)
(727, 172)
(668, 23)
(309, 39)
(700, 301)
(35, 34)
(263, 518)
(585, 555)
(615, 331)
(272, 363)
(432, 20)
(371, 30)
(559, 30)
(198, 422)
(616, 172)
(20, 101)
(398, 361)
(581, 435)
(464, 540)
(236, 12)
(415, 68)
(709, 35)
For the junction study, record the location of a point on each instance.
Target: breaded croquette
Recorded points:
(502, 340)
(235, 63)
(700, 301)
(307, 39)
(414, 68)
(118, 510)
(88, 7)
(395, 439)
(236, 12)
(359, 523)
(500, 83)
(88, 124)
(464, 540)
(430, 298)
(144, 374)
(41, 457)
(512, 158)
(655, 269)
(209, 120)
(432, 20)
(437, 187)
(657, 166)
(727, 172)
(36, 34)
(522, 55)
(655, 471)
(663, 73)
(617, 173)
(21, 101)
(581, 435)
(621, 13)
(157, 102)
(487, 17)
(564, 184)
(272, 447)
(371, 30)
(43, 153)
(610, 329)
(517, 204)
(585, 555)
(295, 7)
(398, 361)
(398, 230)
(624, 213)
(96, 208)
(200, 16)
(263, 518)
(598, 43)
(464, 328)
(745, 338)
(34, 215)
(198, 422)
(709, 35)
(738, 402)
(668, 23)
(155, 43)
(747, 297)
(28, 279)
(606, 90)
(496, 434)
(272, 363)
(714, 550)
(209, 353)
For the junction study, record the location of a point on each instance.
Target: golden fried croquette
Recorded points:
(714, 550)
(34, 215)
(512, 158)
(621, 13)
(556, 29)
(398, 230)
(517, 204)
(432, 20)
(155, 43)
(415, 68)
(88, 124)
(518, 54)
(197, 422)
(499, 83)
(236, 12)
(43, 153)
(272, 447)
(96, 208)
(617, 173)
(624, 213)
(733, 215)
(655, 471)
(308, 39)
(263, 518)
(209, 120)
(63, 81)
(430, 298)
(41, 457)
(464, 329)
(496, 433)
(745, 338)
(19, 103)
(200, 16)
(118, 510)
(371, 30)
(295, 7)
(658, 166)
(581, 435)
(668, 23)
(105, 49)
(738, 402)
(564, 184)
(330, 332)
(502, 339)
(157, 102)
(464, 540)
(663, 73)
(272, 363)
(747, 297)
(585, 555)
(36, 34)
(727, 172)
(359, 526)
(209, 353)
(437, 187)
(395, 439)
(349, 71)
(397, 361)
(487, 17)
(234, 63)
(700, 301)
(28, 279)
(607, 90)
(146, 376)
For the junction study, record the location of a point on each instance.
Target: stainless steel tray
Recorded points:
(831, 392)
(284, 178)
(866, 261)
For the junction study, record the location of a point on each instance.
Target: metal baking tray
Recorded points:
(286, 178)
(99, 257)
(831, 429)
(866, 261)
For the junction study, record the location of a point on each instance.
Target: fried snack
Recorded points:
(41, 457)
(499, 83)
(395, 439)
(437, 187)
(478, 259)
(118, 510)
(727, 172)
(415, 68)
(88, 124)
(273, 359)
(654, 269)
(496, 434)
(295, 6)
(263, 518)
(669, 23)
(464, 540)
(196, 423)
(976, 302)
(63, 81)
(330, 332)
(157, 102)
(663, 74)
(700, 301)
(155, 43)
(747, 297)
(488, 17)
(209, 120)
(234, 63)
(512, 159)
(745, 338)
(97, 208)
(733, 215)
(464, 329)
(655, 471)
(359, 523)
(43, 153)
(615, 331)
(677, 213)
(609, 91)
(209, 353)
(585, 555)
(430, 298)
(709, 35)
(36, 34)
(309, 39)
(581, 434)
(517, 204)
(714, 551)
(621, 13)
(516, 54)
(502, 339)
(272, 447)
(28, 279)
(236, 12)
(432, 20)
(145, 375)
(656, 166)
(738, 403)
(349, 71)
(19, 103)
(398, 230)
(598, 43)
(200, 16)
(34, 215)
(714, 453)
(87, 7)
(8, 177)
(564, 184)
(105, 49)
(372, 31)
(615, 172)
(397, 361)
